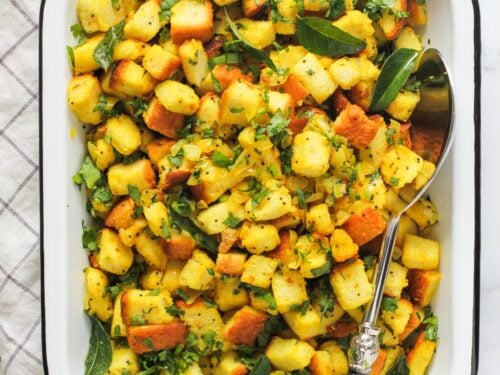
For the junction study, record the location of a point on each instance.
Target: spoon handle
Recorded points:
(365, 345)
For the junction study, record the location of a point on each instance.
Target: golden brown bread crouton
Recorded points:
(174, 178)
(226, 74)
(342, 328)
(420, 356)
(379, 364)
(321, 363)
(252, 7)
(284, 252)
(423, 285)
(178, 247)
(417, 316)
(158, 149)
(163, 121)
(340, 101)
(230, 263)
(142, 307)
(160, 63)
(244, 326)
(229, 364)
(192, 19)
(149, 338)
(350, 283)
(121, 215)
(139, 174)
(228, 239)
(418, 13)
(84, 92)
(365, 226)
(353, 124)
(295, 89)
(390, 24)
(131, 79)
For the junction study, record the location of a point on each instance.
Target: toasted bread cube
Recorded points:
(343, 247)
(314, 77)
(84, 92)
(418, 13)
(263, 300)
(230, 365)
(356, 23)
(289, 289)
(118, 328)
(419, 357)
(366, 226)
(258, 238)
(396, 280)
(314, 258)
(145, 23)
(306, 324)
(244, 326)
(160, 63)
(288, 9)
(140, 307)
(123, 360)
(194, 61)
(198, 273)
(252, 7)
(353, 124)
(259, 34)
(321, 363)
(361, 94)
(285, 253)
(420, 253)
(105, 85)
(129, 235)
(295, 89)
(202, 319)
(390, 24)
(229, 294)
(337, 356)
(192, 19)
(155, 337)
(158, 149)
(276, 204)
(240, 103)
(139, 174)
(424, 213)
(130, 49)
(348, 71)
(180, 246)
(124, 133)
(163, 121)
(171, 277)
(400, 166)
(391, 355)
(150, 249)
(424, 175)
(403, 105)
(423, 286)
(416, 318)
(319, 220)
(129, 78)
(177, 97)
(101, 153)
(406, 226)
(121, 215)
(280, 102)
(212, 219)
(398, 319)
(289, 354)
(350, 284)
(232, 263)
(151, 279)
(98, 15)
(157, 216)
(408, 38)
(259, 271)
(97, 302)
(208, 111)
(317, 149)
(114, 256)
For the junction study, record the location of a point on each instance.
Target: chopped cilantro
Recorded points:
(302, 197)
(90, 237)
(232, 221)
(394, 181)
(389, 304)
(174, 311)
(221, 160)
(88, 174)
(103, 195)
(79, 33)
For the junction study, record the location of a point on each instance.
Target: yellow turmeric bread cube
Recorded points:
(84, 92)
(199, 272)
(423, 285)
(289, 354)
(177, 97)
(124, 134)
(131, 79)
(139, 174)
(398, 316)
(155, 337)
(230, 365)
(113, 256)
(123, 360)
(229, 294)
(194, 61)
(350, 284)
(98, 15)
(149, 247)
(420, 356)
(192, 19)
(259, 270)
(145, 22)
(420, 253)
(97, 301)
(160, 63)
(244, 326)
(343, 247)
(289, 289)
(143, 307)
(258, 238)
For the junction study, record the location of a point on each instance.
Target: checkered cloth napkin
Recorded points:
(20, 308)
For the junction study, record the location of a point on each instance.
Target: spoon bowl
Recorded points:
(431, 134)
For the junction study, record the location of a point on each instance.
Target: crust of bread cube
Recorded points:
(179, 246)
(121, 215)
(228, 238)
(418, 13)
(244, 326)
(252, 7)
(423, 285)
(416, 318)
(232, 263)
(284, 252)
(343, 328)
(392, 25)
(321, 363)
(160, 63)
(420, 356)
(131, 79)
(149, 338)
(163, 121)
(340, 101)
(379, 364)
(356, 126)
(174, 178)
(158, 149)
(192, 19)
(227, 74)
(365, 226)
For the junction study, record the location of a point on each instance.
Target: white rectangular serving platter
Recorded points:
(66, 328)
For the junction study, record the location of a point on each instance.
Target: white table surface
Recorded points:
(21, 351)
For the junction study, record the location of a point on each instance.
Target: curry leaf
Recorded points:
(99, 353)
(262, 366)
(321, 37)
(393, 76)
(257, 54)
(103, 53)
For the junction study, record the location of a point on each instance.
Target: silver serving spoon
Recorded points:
(432, 130)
